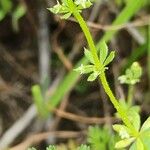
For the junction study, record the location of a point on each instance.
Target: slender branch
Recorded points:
(102, 76)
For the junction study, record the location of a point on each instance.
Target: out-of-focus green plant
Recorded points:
(84, 147)
(7, 7)
(51, 147)
(99, 138)
(39, 101)
(17, 14)
(131, 77)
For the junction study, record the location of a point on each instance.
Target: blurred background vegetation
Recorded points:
(38, 51)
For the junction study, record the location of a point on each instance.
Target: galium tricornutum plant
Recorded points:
(130, 131)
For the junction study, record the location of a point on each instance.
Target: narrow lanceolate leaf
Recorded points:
(122, 130)
(88, 55)
(124, 143)
(146, 124)
(85, 69)
(66, 16)
(109, 58)
(93, 76)
(103, 52)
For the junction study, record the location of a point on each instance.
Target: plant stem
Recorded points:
(102, 76)
(130, 95)
(88, 37)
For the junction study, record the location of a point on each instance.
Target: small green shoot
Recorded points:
(18, 13)
(132, 75)
(6, 7)
(39, 100)
(104, 59)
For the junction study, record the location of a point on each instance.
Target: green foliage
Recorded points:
(84, 147)
(39, 100)
(18, 13)
(128, 108)
(68, 7)
(99, 138)
(6, 7)
(51, 147)
(141, 142)
(132, 75)
(104, 59)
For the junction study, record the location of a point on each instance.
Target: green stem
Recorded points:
(88, 37)
(102, 76)
(130, 95)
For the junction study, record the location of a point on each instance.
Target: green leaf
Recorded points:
(124, 143)
(134, 118)
(5, 8)
(51, 147)
(83, 3)
(56, 9)
(88, 55)
(103, 52)
(109, 58)
(133, 146)
(65, 2)
(146, 124)
(137, 70)
(145, 138)
(39, 101)
(85, 69)
(139, 144)
(98, 137)
(66, 16)
(6, 5)
(122, 130)
(132, 74)
(93, 76)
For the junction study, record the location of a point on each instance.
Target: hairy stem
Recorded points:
(102, 76)
(88, 37)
